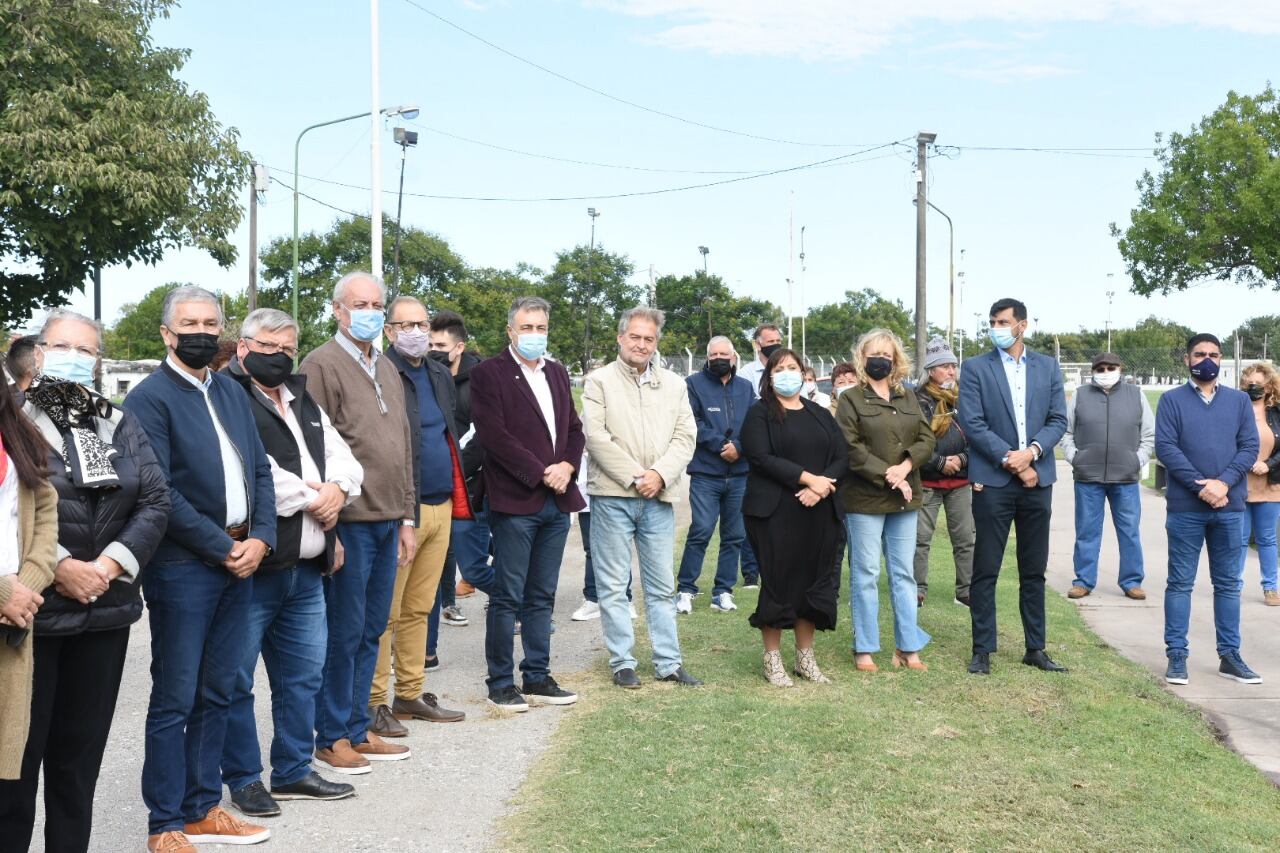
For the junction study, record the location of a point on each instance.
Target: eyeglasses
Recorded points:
(269, 348)
(1106, 368)
(64, 348)
(409, 325)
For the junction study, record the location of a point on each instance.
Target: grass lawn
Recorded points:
(1100, 759)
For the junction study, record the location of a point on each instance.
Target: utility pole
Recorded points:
(804, 306)
(260, 179)
(791, 258)
(591, 251)
(1110, 295)
(704, 251)
(923, 140)
(375, 147)
(653, 289)
(405, 139)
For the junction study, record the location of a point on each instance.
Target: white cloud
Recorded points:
(833, 30)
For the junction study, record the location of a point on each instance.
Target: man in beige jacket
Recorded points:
(640, 436)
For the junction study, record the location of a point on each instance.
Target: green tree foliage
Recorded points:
(428, 269)
(700, 306)
(483, 297)
(105, 156)
(1254, 333)
(1213, 210)
(832, 329)
(588, 283)
(136, 334)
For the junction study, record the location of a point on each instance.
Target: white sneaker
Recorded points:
(723, 602)
(634, 614)
(588, 611)
(684, 602)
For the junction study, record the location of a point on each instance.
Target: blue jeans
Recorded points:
(470, 541)
(1126, 517)
(1188, 533)
(287, 625)
(588, 571)
(1259, 520)
(894, 534)
(651, 524)
(358, 604)
(712, 500)
(199, 616)
(529, 550)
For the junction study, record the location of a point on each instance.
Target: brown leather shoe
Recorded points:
(377, 749)
(222, 827)
(341, 758)
(1137, 594)
(169, 842)
(1078, 592)
(463, 590)
(1271, 598)
(385, 723)
(425, 707)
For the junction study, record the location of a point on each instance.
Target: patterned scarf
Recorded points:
(72, 408)
(945, 411)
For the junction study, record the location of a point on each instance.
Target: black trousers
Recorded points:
(77, 680)
(994, 510)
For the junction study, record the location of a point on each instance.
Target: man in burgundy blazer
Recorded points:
(532, 438)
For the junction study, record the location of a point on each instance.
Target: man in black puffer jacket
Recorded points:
(945, 478)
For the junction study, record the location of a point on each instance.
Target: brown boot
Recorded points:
(1078, 592)
(377, 749)
(387, 724)
(425, 707)
(1271, 598)
(222, 827)
(341, 758)
(169, 842)
(1135, 593)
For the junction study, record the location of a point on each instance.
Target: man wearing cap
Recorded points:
(1111, 432)
(945, 477)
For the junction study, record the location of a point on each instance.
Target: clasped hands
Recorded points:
(1214, 493)
(895, 476)
(245, 557)
(557, 477)
(815, 488)
(328, 503)
(84, 581)
(20, 609)
(1020, 463)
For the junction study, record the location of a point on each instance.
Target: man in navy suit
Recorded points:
(1013, 412)
(533, 442)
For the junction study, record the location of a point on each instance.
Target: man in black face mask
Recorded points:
(315, 475)
(766, 340)
(198, 584)
(717, 475)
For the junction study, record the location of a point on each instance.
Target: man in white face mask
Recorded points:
(1111, 433)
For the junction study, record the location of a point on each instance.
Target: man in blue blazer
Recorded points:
(1013, 411)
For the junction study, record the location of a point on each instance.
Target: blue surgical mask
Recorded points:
(71, 366)
(531, 346)
(1002, 337)
(366, 324)
(787, 383)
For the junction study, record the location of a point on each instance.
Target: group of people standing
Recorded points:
(315, 518)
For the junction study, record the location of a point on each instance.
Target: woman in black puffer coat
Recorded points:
(113, 505)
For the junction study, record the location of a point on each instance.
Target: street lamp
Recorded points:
(405, 139)
(591, 250)
(408, 111)
(951, 321)
(705, 251)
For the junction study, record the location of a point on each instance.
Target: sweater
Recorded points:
(719, 408)
(377, 432)
(37, 544)
(1195, 441)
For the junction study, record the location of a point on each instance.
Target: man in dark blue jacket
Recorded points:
(198, 585)
(717, 474)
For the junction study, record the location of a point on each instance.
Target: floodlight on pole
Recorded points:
(704, 252)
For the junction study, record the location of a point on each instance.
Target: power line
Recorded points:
(1119, 153)
(615, 98)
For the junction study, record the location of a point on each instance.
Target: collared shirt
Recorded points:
(752, 373)
(237, 496)
(536, 376)
(293, 495)
(1207, 397)
(1015, 370)
(10, 559)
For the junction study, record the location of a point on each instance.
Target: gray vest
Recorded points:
(1108, 431)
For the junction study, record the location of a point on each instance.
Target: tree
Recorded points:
(105, 156)
(1213, 211)
(832, 329)
(1257, 334)
(136, 334)
(700, 306)
(428, 267)
(483, 297)
(587, 283)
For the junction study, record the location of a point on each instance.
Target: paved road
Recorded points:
(1248, 714)
(446, 798)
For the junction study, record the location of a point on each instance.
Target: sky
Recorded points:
(720, 90)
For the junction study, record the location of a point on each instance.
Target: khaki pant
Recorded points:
(411, 603)
(959, 506)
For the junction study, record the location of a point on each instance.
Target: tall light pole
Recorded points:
(405, 139)
(704, 252)
(1110, 295)
(375, 144)
(591, 251)
(409, 112)
(951, 321)
(923, 140)
(804, 306)
(261, 180)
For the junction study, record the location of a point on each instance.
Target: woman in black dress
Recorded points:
(797, 456)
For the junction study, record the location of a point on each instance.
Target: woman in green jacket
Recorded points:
(889, 440)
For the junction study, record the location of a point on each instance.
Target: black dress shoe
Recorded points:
(313, 786)
(626, 677)
(1040, 660)
(981, 664)
(253, 801)
(681, 676)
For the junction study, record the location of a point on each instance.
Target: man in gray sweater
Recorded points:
(1111, 433)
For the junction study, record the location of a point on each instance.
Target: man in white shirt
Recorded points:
(315, 476)
(766, 340)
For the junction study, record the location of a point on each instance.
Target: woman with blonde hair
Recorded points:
(889, 440)
(1262, 510)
